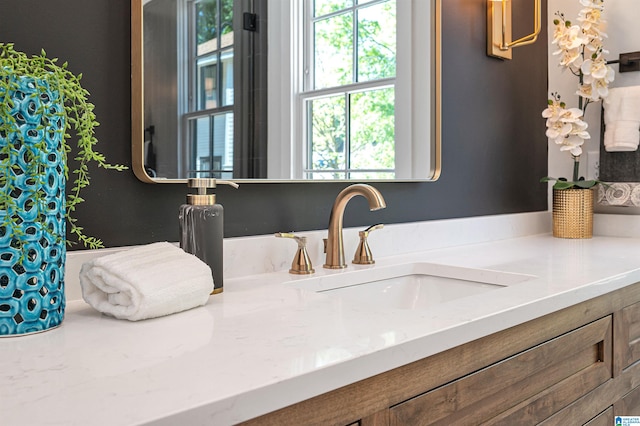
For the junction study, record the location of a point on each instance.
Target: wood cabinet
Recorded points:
(628, 404)
(627, 330)
(603, 419)
(523, 389)
(579, 365)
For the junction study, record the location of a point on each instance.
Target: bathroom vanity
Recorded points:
(563, 368)
(555, 341)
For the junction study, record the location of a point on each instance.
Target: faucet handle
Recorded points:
(363, 254)
(301, 264)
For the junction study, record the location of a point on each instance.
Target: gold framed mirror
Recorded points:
(274, 91)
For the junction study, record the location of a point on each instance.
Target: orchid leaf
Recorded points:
(563, 185)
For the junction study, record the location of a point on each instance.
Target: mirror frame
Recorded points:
(137, 106)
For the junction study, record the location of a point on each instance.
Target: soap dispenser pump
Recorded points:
(202, 227)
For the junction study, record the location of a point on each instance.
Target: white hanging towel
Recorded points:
(622, 119)
(146, 282)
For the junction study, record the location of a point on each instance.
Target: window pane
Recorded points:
(206, 21)
(211, 139)
(372, 129)
(199, 138)
(207, 83)
(328, 134)
(333, 53)
(226, 23)
(322, 7)
(377, 41)
(222, 158)
(227, 77)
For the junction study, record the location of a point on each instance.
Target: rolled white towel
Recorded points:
(146, 282)
(622, 119)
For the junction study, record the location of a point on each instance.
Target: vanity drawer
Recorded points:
(603, 419)
(523, 389)
(628, 405)
(627, 337)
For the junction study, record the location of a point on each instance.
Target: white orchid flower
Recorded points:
(596, 4)
(575, 150)
(570, 38)
(570, 58)
(596, 46)
(557, 130)
(595, 68)
(580, 48)
(573, 143)
(586, 91)
(601, 87)
(571, 115)
(590, 18)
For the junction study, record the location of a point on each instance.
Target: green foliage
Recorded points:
(80, 117)
(366, 141)
(207, 14)
(563, 183)
(373, 130)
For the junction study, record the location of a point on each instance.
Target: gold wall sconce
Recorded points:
(499, 42)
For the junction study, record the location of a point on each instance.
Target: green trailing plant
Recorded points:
(78, 114)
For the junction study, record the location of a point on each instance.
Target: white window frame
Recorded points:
(414, 70)
(188, 93)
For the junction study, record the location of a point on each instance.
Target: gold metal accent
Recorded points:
(363, 254)
(137, 95)
(202, 184)
(137, 103)
(573, 213)
(335, 244)
(217, 290)
(499, 27)
(436, 128)
(301, 264)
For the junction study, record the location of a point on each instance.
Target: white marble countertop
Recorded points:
(264, 344)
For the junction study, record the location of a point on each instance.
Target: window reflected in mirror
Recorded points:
(316, 89)
(349, 91)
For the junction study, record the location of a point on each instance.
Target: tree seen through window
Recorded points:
(350, 91)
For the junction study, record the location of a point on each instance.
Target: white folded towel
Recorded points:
(622, 119)
(146, 282)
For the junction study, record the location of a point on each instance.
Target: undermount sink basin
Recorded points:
(415, 286)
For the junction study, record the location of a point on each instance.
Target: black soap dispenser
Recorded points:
(202, 227)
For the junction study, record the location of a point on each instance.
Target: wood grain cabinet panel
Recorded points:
(523, 389)
(603, 419)
(627, 332)
(628, 405)
(381, 418)
(560, 369)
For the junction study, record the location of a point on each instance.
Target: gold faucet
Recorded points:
(335, 245)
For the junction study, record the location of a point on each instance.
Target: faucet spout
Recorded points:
(335, 245)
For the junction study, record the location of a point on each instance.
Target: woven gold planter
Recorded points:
(573, 213)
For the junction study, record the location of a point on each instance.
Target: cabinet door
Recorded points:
(603, 419)
(628, 405)
(381, 418)
(523, 389)
(627, 341)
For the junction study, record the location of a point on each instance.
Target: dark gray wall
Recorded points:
(494, 148)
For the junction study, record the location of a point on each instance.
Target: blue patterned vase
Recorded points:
(33, 228)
